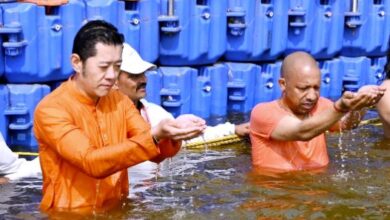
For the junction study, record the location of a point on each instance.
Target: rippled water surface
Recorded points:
(217, 183)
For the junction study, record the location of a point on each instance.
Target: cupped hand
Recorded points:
(366, 96)
(189, 120)
(376, 92)
(182, 128)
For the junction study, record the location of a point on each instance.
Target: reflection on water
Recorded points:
(21, 200)
(217, 183)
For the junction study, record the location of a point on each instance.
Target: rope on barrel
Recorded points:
(371, 121)
(27, 153)
(229, 139)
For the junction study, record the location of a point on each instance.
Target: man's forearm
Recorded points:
(352, 119)
(318, 124)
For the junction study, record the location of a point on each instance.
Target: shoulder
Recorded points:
(53, 109)
(265, 107)
(386, 83)
(268, 112)
(152, 105)
(264, 118)
(54, 98)
(384, 102)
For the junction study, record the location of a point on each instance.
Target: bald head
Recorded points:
(297, 63)
(300, 83)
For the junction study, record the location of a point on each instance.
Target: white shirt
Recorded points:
(14, 167)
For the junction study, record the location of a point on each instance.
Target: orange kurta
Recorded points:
(284, 155)
(85, 148)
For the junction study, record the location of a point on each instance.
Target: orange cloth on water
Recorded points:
(284, 155)
(45, 2)
(85, 148)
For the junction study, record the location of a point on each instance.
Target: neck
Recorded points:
(80, 86)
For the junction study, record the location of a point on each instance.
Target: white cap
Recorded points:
(132, 62)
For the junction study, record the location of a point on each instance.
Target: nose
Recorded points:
(312, 94)
(111, 73)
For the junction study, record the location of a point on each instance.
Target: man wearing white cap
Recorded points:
(132, 82)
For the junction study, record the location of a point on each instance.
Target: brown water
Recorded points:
(217, 183)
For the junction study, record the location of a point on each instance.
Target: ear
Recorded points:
(282, 84)
(76, 62)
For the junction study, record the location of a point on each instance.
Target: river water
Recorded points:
(218, 183)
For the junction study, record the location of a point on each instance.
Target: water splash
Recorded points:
(342, 155)
(94, 213)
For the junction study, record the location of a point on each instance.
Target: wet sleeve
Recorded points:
(168, 148)
(54, 126)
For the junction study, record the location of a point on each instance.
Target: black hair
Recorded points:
(93, 32)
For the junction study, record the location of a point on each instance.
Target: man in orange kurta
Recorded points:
(288, 134)
(285, 155)
(89, 134)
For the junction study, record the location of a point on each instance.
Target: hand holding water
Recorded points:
(366, 96)
(182, 128)
(189, 120)
(376, 92)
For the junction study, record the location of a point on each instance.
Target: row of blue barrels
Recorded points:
(209, 91)
(36, 40)
(236, 87)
